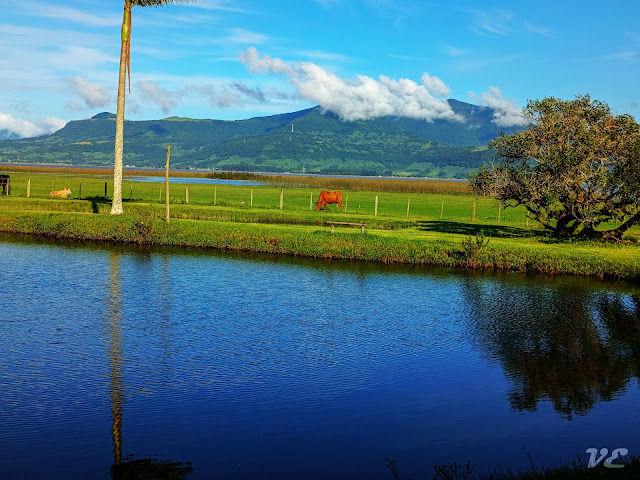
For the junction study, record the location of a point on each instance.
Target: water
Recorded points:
(244, 367)
(183, 180)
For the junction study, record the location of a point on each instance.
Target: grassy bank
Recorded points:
(439, 228)
(428, 247)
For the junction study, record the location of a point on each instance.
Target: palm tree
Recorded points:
(116, 206)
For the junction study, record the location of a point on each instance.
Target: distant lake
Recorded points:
(267, 367)
(183, 180)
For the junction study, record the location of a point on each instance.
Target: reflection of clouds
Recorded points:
(565, 344)
(115, 354)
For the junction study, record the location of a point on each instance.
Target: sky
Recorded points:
(360, 59)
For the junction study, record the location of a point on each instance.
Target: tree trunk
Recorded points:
(116, 204)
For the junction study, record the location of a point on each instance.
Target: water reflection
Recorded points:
(564, 343)
(115, 355)
(131, 467)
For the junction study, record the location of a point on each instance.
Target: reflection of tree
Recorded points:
(115, 355)
(130, 468)
(567, 344)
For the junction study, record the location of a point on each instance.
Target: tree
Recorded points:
(125, 60)
(576, 168)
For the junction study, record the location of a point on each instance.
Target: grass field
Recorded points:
(439, 228)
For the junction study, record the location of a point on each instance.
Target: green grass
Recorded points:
(430, 235)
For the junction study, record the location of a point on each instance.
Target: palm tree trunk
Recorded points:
(116, 205)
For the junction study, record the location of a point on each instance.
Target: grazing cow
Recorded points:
(61, 193)
(6, 184)
(330, 197)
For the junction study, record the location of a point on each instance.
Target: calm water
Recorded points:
(183, 180)
(249, 367)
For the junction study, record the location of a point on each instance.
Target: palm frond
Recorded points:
(156, 3)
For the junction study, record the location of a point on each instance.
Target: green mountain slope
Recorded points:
(308, 140)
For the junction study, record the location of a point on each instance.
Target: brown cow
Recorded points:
(61, 193)
(330, 197)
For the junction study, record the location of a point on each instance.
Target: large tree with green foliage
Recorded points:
(125, 50)
(576, 168)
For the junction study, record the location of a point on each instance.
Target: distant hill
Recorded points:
(308, 140)
(6, 134)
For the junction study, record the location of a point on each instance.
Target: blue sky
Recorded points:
(359, 58)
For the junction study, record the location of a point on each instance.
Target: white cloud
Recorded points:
(360, 98)
(240, 35)
(494, 22)
(151, 92)
(48, 10)
(506, 113)
(435, 85)
(25, 128)
(95, 95)
(545, 32)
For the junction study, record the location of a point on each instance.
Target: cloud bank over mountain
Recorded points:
(361, 98)
(366, 98)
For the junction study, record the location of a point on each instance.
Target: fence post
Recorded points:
(408, 203)
(310, 200)
(105, 189)
(473, 216)
(346, 203)
(131, 191)
(186, 193)
(375, 212)
(499, 212)
(252, 197)
(442, 210)
(166, 182)
(215, 196)
(79, 192)
(29, 188)
(281, 198)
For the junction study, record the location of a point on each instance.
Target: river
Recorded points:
(235, 366)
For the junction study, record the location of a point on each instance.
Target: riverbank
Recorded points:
(416, 222)
(428, 246)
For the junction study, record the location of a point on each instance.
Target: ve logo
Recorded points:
(595, 460)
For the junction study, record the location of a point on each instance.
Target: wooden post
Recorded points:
(442, 210)
(186, 193)
(166, 181)
(346, 203)
(252, 197)
(375, 212)
(527, 221)
(408, 204)
(281, 198)
(473, 216)
(160, 195)
(29, 188)
(215, 196)
(499, 212)
(310, 200)
(332, 229)
(80, 191)
(105, 189)
(362, 229)
(131, 191)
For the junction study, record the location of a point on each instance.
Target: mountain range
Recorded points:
(310, 141)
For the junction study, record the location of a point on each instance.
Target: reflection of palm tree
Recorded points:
(125, 51)
(559, 344)
(131, 468)
(115, 355)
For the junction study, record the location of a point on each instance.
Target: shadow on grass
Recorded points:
(96, 202)
(497, 231)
